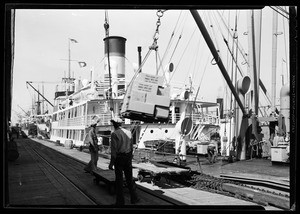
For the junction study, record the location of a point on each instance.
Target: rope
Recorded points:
(214, 35)
(183, 53)
(170, 41)
(179, 38)
(229, 33)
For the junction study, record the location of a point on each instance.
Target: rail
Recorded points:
(106, 117)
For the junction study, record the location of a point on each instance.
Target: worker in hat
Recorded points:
(93, 146)
(121, 159)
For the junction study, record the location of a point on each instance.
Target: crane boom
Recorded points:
(214, 52)
(27, 82)
(48, 82)
(23, 110)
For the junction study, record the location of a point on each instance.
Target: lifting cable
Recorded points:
(239, 45)
(183, 52)
(179, 38)
(190, 64)
(196, 57)
(170, 41)
(215, 40)
(236, 62)
(152, 47)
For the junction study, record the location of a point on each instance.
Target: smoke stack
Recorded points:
(140, 56)
(114, 48)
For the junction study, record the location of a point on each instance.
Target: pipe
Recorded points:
(274, 59)
(215, 54)
(140, 56)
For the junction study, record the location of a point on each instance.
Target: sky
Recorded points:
(41, 48)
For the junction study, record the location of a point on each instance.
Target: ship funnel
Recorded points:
(114, 50)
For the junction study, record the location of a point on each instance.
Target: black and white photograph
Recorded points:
(150, 107)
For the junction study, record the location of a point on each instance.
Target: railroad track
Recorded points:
(73, 184)
(69, 171)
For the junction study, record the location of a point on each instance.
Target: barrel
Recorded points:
(69, 144)
(57, 143)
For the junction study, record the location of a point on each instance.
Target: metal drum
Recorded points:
(69, 144)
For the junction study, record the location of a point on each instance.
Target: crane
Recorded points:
(23, 110)
(29, 83)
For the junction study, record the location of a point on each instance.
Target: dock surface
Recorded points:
(30, 185)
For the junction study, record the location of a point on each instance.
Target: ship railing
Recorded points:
(85, 120)
(106, 117)
(200, 118)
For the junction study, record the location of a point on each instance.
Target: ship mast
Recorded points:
(274, 59)
(106, 27)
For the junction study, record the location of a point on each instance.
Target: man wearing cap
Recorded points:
(121, 159)
(93, 147)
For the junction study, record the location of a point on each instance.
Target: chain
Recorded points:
(208, 182)
(159, 14)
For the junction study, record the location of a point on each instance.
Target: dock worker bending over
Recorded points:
(212, 149)
(121, 159)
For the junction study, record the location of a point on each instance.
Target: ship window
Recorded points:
(151, 131)
(166, 131)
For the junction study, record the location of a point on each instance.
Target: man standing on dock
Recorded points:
(93, 147)
(121, 159)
